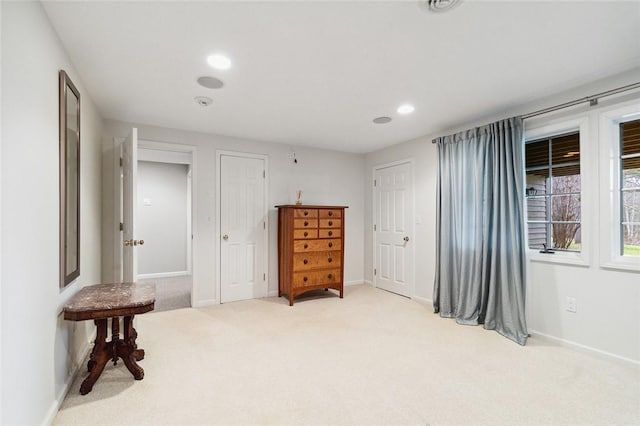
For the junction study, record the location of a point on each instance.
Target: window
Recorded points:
(553, 193)
(629, 168)
(619, 141)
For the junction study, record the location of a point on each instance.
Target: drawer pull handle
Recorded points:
(330, 233)
(306, 246)
(330, 223)
(305, 261)
(330, 244)
(306, 223)
(306, 213)
(306, 233)
(329, 260)
(330, 276)
(330, 213)
(305, 279)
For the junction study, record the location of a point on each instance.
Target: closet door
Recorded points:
(393, 229)
(242, 228)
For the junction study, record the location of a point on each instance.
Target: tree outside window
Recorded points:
(553, 192)
(630, 188)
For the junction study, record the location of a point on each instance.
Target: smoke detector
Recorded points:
(203, 101)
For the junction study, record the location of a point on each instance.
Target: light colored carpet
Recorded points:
(172, 292)
(373, 358)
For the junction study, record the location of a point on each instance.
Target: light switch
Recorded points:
(146, 201)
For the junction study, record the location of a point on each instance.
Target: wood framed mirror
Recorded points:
(69, 180)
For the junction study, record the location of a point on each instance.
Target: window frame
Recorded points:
(610, 186)
(550, 129)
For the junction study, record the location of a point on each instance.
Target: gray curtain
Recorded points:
(480, 247)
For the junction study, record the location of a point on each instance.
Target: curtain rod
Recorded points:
(592, 99)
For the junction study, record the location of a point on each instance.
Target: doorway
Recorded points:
(393, 228)
(242, 226)
(154, 243)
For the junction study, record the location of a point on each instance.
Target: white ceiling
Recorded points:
(317, 73)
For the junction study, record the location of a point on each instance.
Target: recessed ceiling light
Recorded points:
(203, 101)
(210, 82)
(382, 120)
(219, 62)
(405, 109)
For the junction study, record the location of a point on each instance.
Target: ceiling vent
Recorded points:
(440, 5)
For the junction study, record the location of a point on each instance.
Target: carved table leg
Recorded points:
(127, 349)
(99, 357)
(137, 353)
(115, 337)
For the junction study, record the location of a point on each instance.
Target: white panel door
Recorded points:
(393, 229)
(129, 197)
(242, 228)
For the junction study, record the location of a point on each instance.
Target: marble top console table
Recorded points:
(100, 303)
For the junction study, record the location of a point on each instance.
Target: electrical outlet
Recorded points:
(571, 304)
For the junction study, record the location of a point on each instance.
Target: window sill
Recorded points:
(622, 264)
(561, 258)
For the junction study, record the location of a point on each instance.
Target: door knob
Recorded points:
(141, 242)
(225, 237)
(406, 239)
(128, 243)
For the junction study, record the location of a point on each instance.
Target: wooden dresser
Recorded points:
(310, 249)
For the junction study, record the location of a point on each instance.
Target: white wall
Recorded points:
(1, 381)
(162, 217)
(607, 319)
(325, 177)
(39, 348)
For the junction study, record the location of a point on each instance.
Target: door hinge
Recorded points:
(264, 225)
(375, 182)
(264, 174)
(120, 161)
(121, 226)
(375, 272)
(375, 227)
(264, 277)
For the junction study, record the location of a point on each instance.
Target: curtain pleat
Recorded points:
(480, 256)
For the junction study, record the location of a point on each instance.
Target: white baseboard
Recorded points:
(272, 293)
(207, 302)
(354, 282)
(586, 349)
(76, 367)
(368, 282)
(422, 300)
(163, 275)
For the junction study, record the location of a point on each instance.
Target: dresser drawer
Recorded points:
(308, 279)
(307, 261)
(326, 213)
(317, 245)
(305, 213)
(305, 223)
(301, 234)
(330, 223)
(329, 233)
